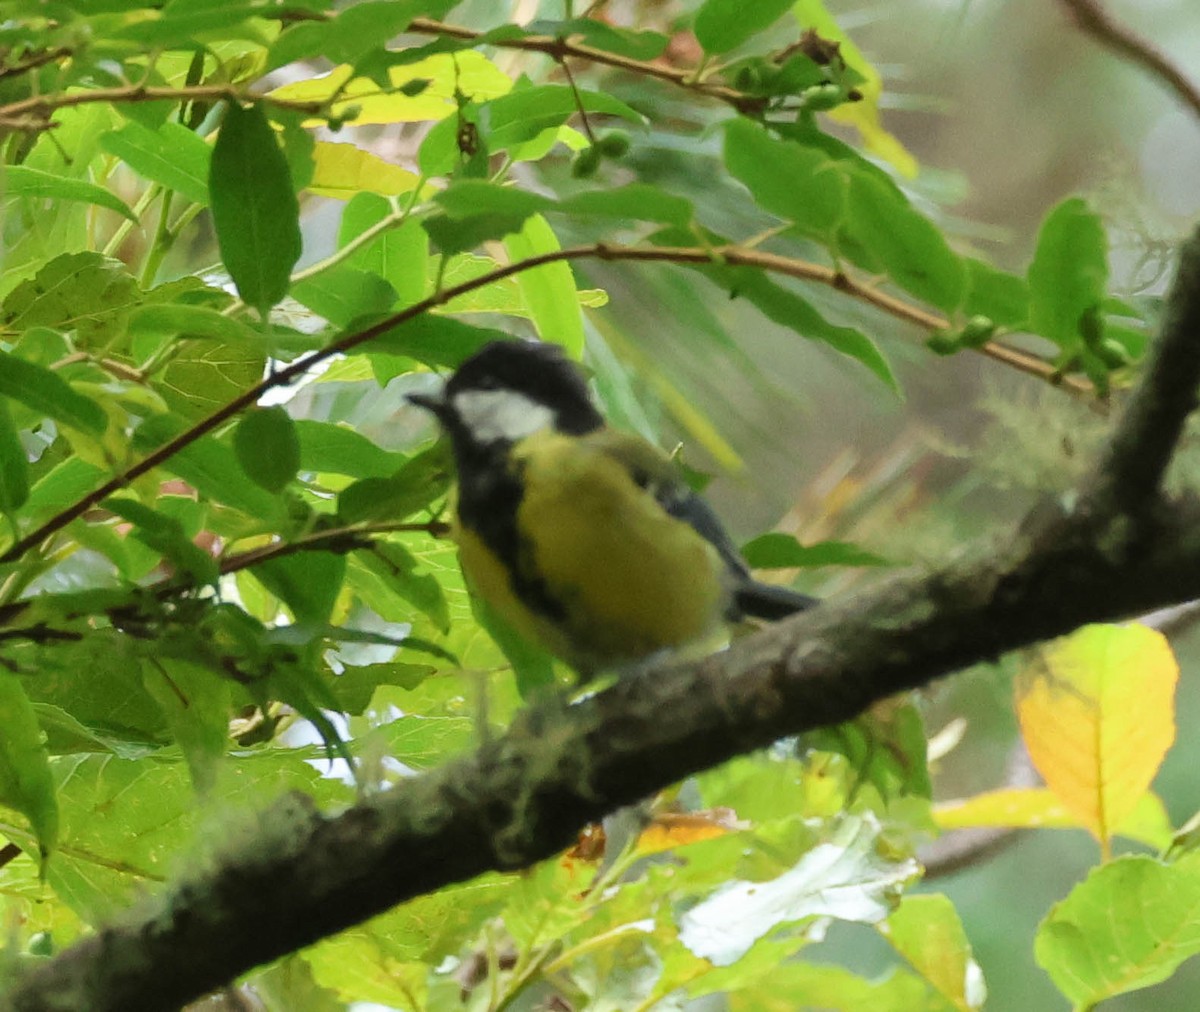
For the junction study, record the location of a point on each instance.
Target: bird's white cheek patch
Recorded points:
(490, 415)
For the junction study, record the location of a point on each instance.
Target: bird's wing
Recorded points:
(654, 471)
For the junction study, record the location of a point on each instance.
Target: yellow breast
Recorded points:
(632, 579)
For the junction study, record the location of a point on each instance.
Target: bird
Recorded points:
(584, 539)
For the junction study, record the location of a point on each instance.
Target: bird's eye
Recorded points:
(487, 383)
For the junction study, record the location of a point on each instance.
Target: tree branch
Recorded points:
(1130, 472)
(341, 539)
(34, 113)
(302, 876)
(560, 48)
(1091, 17)
(735, 255)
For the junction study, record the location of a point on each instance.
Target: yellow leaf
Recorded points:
(676, 829)
(1039, 808)
(342, 170)
(862, 115)
(1097, 711)
(472, 73)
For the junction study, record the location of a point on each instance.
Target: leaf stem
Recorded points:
(127, 225)
(393, 220)
(159, 245)
(587, 124)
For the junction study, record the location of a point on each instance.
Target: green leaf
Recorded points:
(789, 309)
(84, 292)
(472, 198)
(902, 242)
(21, 181)
(181, 23)
(469, 198)
(399, 573)
(65, 483)
(525, 112)
(197, 705)
(308, 582)
(722, 25)
(302, 687)
(357, 683)
(423, 742)
(549, 290)
(171, 155)
(795, 984)
(14, 465)
(1128, 925)
(783, 305)
(927, 932)
(637, 45)
(639, 201)
(267, 447)
(458, 235)
(212, 468)
(205, 375)
(96, 679)
(188, 321)
(532, 666)
(338, 449)
(124, 822)
(254, 208)
(1002, 297)
(165, 534)
(399, 255)
(387, 959)
(782, 551)
(25, 780)
(49, 394)
(418, 483)
(434, 340)
(353, 33)
(1068, 277)
(849, 205)
(440, 154)
(154, 323)
(345, 294)
(886, 749)
(800, 183)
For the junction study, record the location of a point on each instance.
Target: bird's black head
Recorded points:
(510, 389)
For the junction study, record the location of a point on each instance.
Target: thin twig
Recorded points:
(118, 369)
(1091, 17)
(9, 853)
(34, 61)
(583, 116)
(17, 115)
(735, 255)
(558, 48)
(340, 539)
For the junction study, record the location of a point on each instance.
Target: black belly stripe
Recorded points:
(489, 495)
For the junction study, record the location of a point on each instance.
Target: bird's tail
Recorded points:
(769, 602)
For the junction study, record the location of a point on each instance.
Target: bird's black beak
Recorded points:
(434, 403)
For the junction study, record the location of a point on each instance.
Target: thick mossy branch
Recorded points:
(296, 876)
(1131, 470)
